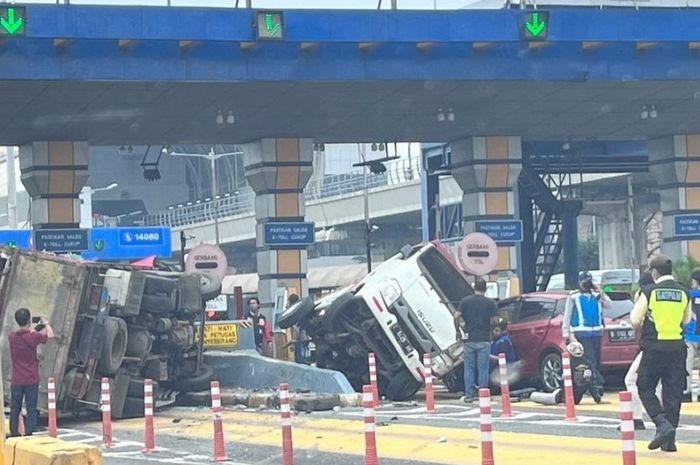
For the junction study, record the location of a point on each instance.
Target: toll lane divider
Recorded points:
(45, 450)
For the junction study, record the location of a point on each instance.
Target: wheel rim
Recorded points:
(551, 373)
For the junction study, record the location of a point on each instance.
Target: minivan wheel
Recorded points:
(551, 372)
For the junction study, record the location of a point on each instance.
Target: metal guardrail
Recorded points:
(398, 172)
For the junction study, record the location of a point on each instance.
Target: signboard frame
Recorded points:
(481, 226)
(678, 228)
(40, 243)
(309, 231)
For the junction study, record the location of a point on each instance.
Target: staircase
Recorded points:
(550, 197)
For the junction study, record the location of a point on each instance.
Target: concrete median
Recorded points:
(42, 450)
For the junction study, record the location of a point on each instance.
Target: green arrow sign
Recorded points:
(12, 20)
(536, 25)
(270, 25)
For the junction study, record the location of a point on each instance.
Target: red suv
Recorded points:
(535, 328)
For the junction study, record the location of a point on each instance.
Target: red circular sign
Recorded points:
(478, 254)
(207, 259)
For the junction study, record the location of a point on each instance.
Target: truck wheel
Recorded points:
(454, 380)
(195, 382)
(402, 386)
(296, 313)
(210, 287)
(139, 342)
(333, 315)
(114, 346)
(159, 304)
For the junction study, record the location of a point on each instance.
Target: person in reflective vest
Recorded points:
(661, 311)
(583, 322)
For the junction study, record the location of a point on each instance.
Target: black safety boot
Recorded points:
(664, 432)
(670, 445)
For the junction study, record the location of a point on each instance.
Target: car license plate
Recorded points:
(403, 340)
(622, 335)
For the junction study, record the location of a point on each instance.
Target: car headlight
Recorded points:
(390, 292)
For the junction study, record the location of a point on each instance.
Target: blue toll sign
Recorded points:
(501, 231)
(289, 234)
(129, 243)
(62, 240)
(686, 225)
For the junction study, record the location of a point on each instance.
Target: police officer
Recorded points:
(661, 311)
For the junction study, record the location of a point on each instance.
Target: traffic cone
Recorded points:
(429, 392)
(505, 388)
(373, 378)
(286, 414)
(568, 388)
(149, 433)
(485, 427)
(370, 437)
(53, 429)
(629, 455)
(106, 406)
(219, 445)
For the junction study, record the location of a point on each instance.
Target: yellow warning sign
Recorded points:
(221, 335)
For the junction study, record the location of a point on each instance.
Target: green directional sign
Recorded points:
(535, 25)
(270, 25)
(13, 20)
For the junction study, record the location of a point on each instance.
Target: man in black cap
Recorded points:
(583, 322)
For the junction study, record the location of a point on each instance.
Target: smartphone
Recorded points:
(36, 319)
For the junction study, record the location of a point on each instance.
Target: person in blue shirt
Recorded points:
(583, 322)
(501, 343)
(691, 333)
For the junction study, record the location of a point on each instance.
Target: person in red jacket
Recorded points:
(25, 368)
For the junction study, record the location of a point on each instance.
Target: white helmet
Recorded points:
(575, 349)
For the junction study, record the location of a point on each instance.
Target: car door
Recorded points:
(529, 330)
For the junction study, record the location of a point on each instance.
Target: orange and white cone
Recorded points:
(486, 427)
(629, 455)
(219, 445)
(148, 433)
(106, 407)
(370, 437)
(53, 429)
(373, 378)
(568, 387)
(505, 388)
(429, 392)
(286, 414)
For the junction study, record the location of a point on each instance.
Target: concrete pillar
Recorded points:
(675, 164)
(278, 170)
(53, 174)
(487, 170)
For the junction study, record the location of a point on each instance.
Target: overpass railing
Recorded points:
(398, 172)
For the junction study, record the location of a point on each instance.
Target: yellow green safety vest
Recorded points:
(667, 302)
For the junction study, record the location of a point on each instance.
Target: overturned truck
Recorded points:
(404, 308)
(115, 322)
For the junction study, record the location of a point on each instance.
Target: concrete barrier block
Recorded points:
(43, 450)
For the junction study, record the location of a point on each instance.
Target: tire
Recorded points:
(139, 342)
(159, 304)
(210, 287)
(454, 380)
(195, 383)
(402, 386)
(296, 313)
(158, 285)
(114, 345)
(551, 372)
(331, 319)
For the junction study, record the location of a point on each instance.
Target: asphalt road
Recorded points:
(405, 435)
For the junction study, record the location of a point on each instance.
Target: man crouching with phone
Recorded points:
(25, 368)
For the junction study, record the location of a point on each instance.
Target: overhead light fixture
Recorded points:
(230, 119)
(130, 149)
(381, 146)
(450, 115)
(122, 149)
(377, 167)
(566, 146)
(322, 147)
(645, 112)
(441, 116)
(151, 173)
(374, 147)
(219, 118)
(653, 114)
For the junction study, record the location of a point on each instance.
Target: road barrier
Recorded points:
(428, 375)
(53, 429)
(505, 388)
(370, 437)
(373, 379)
(286, 414)
(485, 426)
(106, 407)
(568, 388)
(148, 433)
(219, 445)
(42, 450)
(629, 456)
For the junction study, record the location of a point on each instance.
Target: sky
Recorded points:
(320, 4)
